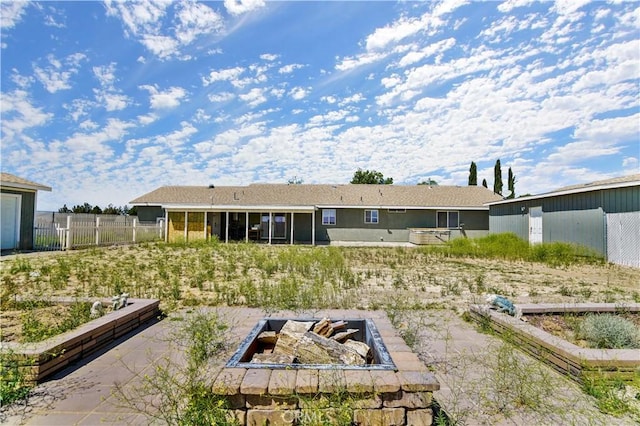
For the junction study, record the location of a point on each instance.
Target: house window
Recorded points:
(397, 210)
(448, 219)
(328, 216)
(371, 216)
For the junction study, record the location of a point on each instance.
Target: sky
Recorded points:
(106, 101)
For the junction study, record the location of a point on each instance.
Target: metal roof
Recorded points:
(619, 182)
(12, 181)
(334, 196)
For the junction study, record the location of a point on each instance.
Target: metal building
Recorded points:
(603, 216)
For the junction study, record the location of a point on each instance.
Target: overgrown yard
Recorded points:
(402, 281)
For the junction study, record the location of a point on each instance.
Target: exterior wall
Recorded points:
(27, 219)
(149, 213)
(573, 218)
(393, 227)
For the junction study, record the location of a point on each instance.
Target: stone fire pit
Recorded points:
(393, 388)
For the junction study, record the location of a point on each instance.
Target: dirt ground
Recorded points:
(383, 276)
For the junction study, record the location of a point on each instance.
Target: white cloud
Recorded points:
(11, 13)
(194, 20)
(268, 57)
(254, 97)
(57, 75)
(631, 163)
(298, 93)
(170, 98)
(112, 101)
(288, 69)
(221, 97)
(229, 74)
(19, 114)
(508, 5)
(238, 7)
(430, 50)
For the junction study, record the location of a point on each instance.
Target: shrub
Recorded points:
(609, 331)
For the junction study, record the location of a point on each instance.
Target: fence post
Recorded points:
(135, 221)
(68, 232)
(97, 231)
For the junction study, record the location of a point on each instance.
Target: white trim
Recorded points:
(335, 218)
(18, 213)
(24, 187)
(371, 214)
(369, 207)
(238, 209)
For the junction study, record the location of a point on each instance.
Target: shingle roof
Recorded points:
(623, 181)
(320, 195)
(9, 180)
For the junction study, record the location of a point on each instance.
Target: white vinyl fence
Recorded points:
(64, 231)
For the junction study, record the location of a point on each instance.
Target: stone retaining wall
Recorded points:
(560, 354)
(49, 356)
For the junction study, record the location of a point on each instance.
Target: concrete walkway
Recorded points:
(482, 383)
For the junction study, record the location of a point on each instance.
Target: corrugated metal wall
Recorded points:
(580, 219)
(582, 227)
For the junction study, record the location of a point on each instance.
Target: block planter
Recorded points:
(402, 395)
(53, 354)
(565, 357)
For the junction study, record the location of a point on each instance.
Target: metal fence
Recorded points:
(623, 238)
(64, 231)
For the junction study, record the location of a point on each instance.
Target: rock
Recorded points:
(315, 349)
(361, 348)
(344, 335)
(272, 359)
(323, 327)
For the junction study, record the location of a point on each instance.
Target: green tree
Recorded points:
(295, 181)
(429, 182)
(370, 177)
(497, 178)
(64, 209)
(484, 183)
(511, 184)
(473, 174)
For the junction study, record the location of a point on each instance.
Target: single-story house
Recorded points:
(603, 216)
(316, 213)
(18, 211)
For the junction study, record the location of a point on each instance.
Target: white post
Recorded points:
(313, 227)
(292, 213)
(270, 226)
(68, 232)
(166, 224)
(246, 226)
(135, 221)
(226, 228)
(97, 231)
(186, 226)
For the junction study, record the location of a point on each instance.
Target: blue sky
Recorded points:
(105, 101)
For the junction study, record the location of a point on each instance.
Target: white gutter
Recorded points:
(342, 206)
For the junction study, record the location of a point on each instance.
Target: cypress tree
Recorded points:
(484, 183)
(473, 174)
(497, 178)
(511, 184)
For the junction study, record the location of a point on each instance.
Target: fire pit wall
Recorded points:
(397, 389)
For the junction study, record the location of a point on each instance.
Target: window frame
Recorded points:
(327, 215)
(448, 214)
(371, 216)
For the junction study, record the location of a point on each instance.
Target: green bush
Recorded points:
(609, 332)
